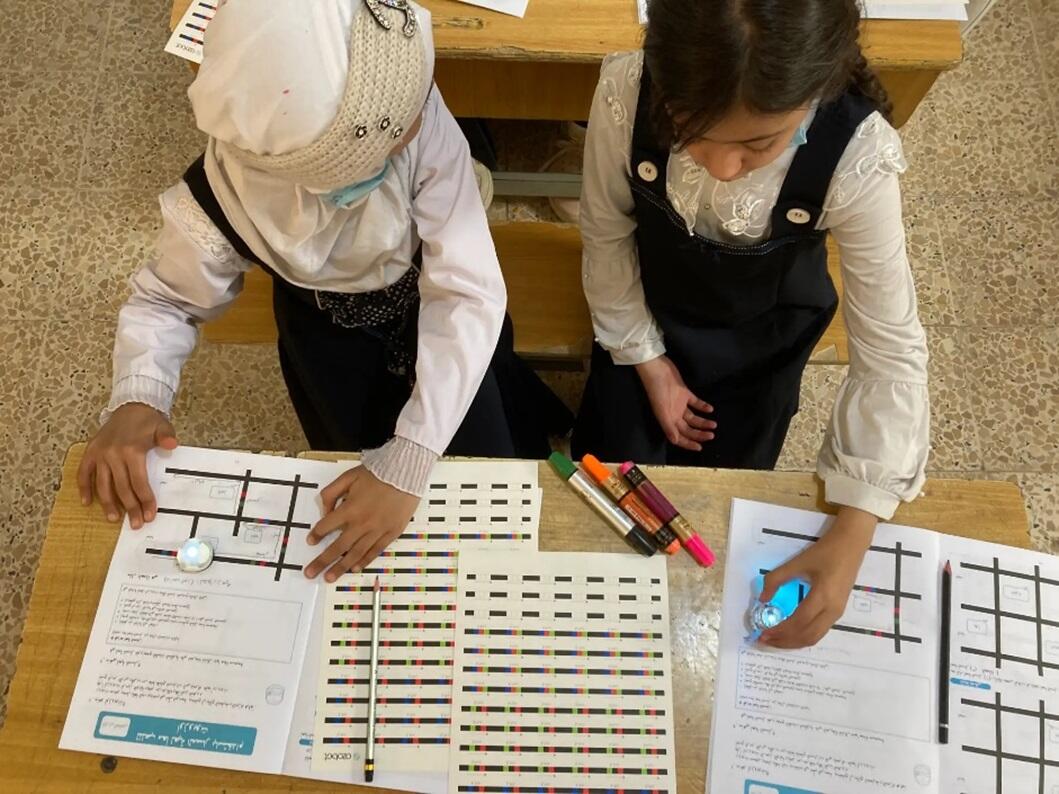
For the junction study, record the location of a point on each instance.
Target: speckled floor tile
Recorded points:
(143, 134)
(999, 45)
(44, 126)
(820, 385)
(985, 139)
(1044, 19)
(111, 234)
(51, 35)
(568, 385)
(234, 396)
(136, 39)
(1041, 492)
(524, 145)
(923, 243)
(34, 244)
(1001, 256)
(954, 413)
(1013, 383)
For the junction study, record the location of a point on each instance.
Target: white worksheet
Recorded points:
(478, 505)
(221, 668)
(514, 8)
(204, 668)
(562, 676)
(859, 711)
(187, 37)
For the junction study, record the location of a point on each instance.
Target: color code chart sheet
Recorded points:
(467, 506)
(188, 36)
(562, 678)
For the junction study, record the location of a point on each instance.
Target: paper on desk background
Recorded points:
(851, 713)
(471, 505)
(187, 37)
(883, 9)
(205, 668)
(562, 675)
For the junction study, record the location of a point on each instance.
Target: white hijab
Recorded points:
(272, 81)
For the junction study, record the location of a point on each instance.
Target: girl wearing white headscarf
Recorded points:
(334, 164)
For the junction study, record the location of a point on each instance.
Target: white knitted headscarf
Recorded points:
(303, 97)
(314, 91)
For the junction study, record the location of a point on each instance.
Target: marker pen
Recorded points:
(598, 501)
(668, 514)
(631, 504)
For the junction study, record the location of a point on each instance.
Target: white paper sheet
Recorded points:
(854, 713)
(514, 8)
(1004, 684)
(205, 668)
(562, 677)
(186, 40)
(883, 9)
(471, 505)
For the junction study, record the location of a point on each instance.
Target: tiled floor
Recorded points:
(95, 123)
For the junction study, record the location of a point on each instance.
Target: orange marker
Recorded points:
(631, 503)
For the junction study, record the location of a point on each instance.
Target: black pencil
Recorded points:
(943, 664)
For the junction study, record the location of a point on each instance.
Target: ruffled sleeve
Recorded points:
(875, 451)
(610, 265)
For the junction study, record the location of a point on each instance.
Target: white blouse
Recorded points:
(875, 451)
(430, 196)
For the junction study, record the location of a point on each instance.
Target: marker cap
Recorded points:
(641, 541)
(599, 472)
(672, 548)
(562, 464)
(700, 551)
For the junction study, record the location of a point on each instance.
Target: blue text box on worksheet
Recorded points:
(210, 737)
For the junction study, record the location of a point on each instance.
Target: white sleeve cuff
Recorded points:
(139, 389)
(401, 463)
(638, 354)
(842, 490)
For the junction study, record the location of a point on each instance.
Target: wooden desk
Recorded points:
(79, 545)
(546, 65)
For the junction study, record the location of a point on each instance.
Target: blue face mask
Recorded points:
(345, 196)
(800, 137)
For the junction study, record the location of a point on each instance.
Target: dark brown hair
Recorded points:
(772, 56)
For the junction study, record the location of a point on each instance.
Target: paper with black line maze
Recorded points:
(562, 678)
(467, 505)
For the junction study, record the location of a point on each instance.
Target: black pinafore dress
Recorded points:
(739, 322)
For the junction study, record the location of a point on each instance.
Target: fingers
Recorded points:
(372, 554)
(141, 487)
(678, 439)
(165, 436)
(334, 550)
(788, 634)
(331, 494)
(351, 559)
(84, 478)
(106, 491)
(698, 422)
(123, 488)
(800, 631)
(694, 434)
(776, 577)
(701, 406)
(334, 520)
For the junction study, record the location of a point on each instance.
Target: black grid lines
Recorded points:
(899, 554)
(999, 615)
(1044, 722)
(239, 518)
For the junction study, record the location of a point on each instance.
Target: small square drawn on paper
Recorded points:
(252, 534)
(977, 626)
(113, 725)
(1017, 593)
(861, 604)
(222, 492)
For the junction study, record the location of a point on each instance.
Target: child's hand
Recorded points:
(370, 515)
(674, 405)
(830, 567)
(116, 459)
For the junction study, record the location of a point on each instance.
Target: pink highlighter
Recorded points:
(667, 514)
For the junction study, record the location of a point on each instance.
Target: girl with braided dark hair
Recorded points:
(717, 160)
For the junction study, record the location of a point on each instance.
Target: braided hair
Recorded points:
(706, 57)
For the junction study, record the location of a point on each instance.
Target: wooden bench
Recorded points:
(542, 268)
